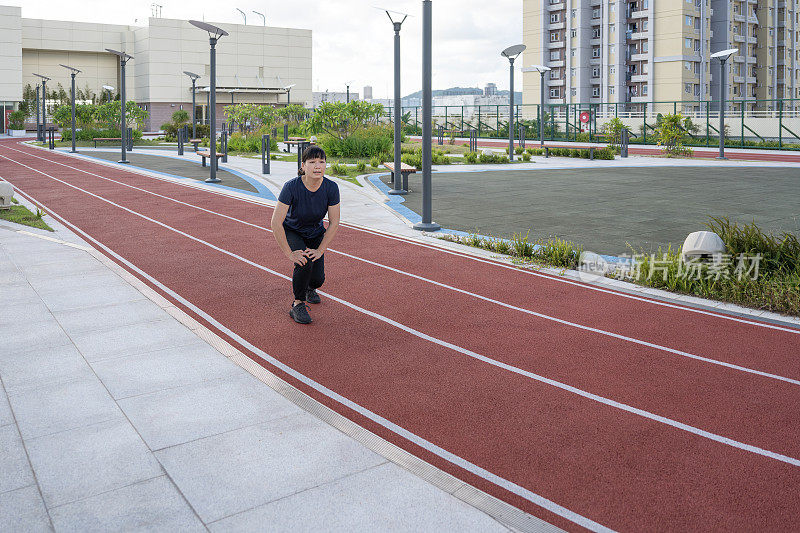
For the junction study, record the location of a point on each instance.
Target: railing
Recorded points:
(749, 122)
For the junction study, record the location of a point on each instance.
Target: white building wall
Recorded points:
(10, 54)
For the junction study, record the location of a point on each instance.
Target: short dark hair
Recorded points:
(313, 152)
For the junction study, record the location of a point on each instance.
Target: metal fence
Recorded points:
(755, 123)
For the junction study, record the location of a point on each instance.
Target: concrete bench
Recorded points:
(405, 170)
(6, 194)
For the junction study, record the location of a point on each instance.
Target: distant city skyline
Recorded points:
(352, 41)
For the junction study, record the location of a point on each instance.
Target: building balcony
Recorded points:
(594, 61)
(595, 42)
(556, 26)
(557, 63)
(555, 100)
(555, 83)
(638, 15)
(639, 57)
(738, 59)
(639, 36)
(556, 7)
(752, 59)
(595, 80)
(738, 79)
(751, 40)
(750, 79)
(557, 44)
(752, 19)
(739, 38)
(594, 3)
(639, 99)
(739, 17)
(638, 78)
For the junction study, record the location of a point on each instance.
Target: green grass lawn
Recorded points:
(21, 215)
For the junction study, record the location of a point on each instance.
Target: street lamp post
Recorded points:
(109, 90)
(263, 18)
(512, 52)
(723, 57)
(427, 111)
(74, 72)
(288, 90)
(39, 128)
(398, 183)
(541, 69)
(214, 34)
(348, 84)
(194, 77)
(45, 79)
(123, 123)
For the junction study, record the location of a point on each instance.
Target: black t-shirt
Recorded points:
(306, 208)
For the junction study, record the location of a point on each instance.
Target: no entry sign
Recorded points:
(584, 116)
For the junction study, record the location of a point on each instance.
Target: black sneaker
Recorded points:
(312, 297)
(300, 314)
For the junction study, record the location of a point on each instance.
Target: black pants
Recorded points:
(312, 274)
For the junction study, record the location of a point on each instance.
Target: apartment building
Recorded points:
(632, 52)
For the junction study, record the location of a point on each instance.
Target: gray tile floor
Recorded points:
(115, 416)
(602, 209)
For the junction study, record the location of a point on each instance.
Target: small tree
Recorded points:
(343, 119)
(180, 117)
(613, 129)
(670, 135)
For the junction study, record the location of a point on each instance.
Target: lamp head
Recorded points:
(513, 51)
(724, 54)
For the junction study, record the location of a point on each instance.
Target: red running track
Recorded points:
(583, 406)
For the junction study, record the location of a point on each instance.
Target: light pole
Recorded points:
(723, 57)
(39, 128)
(512, 52)
(348, 84)
(45, 79)
(427, 102)
(541, 69)
(123, 123)
(109, 89)
(263, 18)
(194, 77)
(73, 73)
(214, 34)
(244, 16)
(288, 90)
(398, 183)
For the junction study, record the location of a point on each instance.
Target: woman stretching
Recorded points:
(297, 226)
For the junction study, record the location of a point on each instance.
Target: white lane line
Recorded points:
(618, 336)
(563, 386)
(548, 277)
(457, 460)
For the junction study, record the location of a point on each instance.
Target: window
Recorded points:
(611, 89)
(644, 89)
(595, 92)
(555, 17)
(573, 91)
(697, 45)
(596, 52)
(596, 33)
(644, 46)
(595, 72)
(688, 88)
(689, 20)
(596, 13)
(555, 55)
(611, 28)
(687, 43)
(612, 49)
(554, 93)
(572, 72)
(687, 65)
(574, 33)
(697, 89)
(574, 13)
(554, 36)
(644, 25)
(572, 53)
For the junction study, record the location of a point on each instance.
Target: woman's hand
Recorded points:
(298, 257)
(313, 253)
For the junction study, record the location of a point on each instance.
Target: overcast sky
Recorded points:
(352, 40)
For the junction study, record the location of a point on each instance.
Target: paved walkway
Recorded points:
(119, 412)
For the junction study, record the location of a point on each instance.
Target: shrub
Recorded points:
(471, 157)
(518, 150)
(415, 160)
(16, 120)
(361, 166)
(558, 252)
(338, 169)
(89, 134)
(363, 143)
(374, 162)
(526, 157)
(520, 247)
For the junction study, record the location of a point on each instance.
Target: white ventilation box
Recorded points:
(703, 244)
(6, 194)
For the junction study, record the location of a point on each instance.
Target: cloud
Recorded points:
(351, 39)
